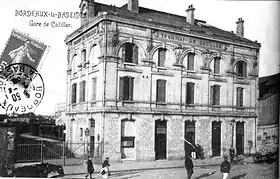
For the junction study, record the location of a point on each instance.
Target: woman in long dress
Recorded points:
(18, 54)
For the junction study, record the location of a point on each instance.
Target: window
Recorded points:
(84, 54)
(190, 93)
(94, 55)
(94, 80)
(217, 65)
(161, 57)
(74, 93)
(190, 65)
(127, 133)
(239, 99)
(130, 53)
(83, 91)
(81, 132)
(215, 95)
(241, 69)
(126, 88)
(161, 91)
(75, 64)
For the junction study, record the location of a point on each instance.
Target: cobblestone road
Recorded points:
(246, 171)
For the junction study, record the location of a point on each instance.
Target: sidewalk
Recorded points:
(143, 165)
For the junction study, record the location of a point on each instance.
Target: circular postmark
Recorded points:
(21, 88)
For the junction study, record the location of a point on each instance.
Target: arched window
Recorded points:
(217, 65)
(129, 52)
(84, 56)
(94, 55)
(241, 69)
(190, 61)
(75, 64)
(84, 14)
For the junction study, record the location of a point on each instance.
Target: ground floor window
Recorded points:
(128, 139)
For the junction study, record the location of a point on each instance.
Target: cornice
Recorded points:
(150, 25)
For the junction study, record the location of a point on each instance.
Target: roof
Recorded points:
(269, 85)
(179, 22)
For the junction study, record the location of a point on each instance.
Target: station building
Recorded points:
(140, 80)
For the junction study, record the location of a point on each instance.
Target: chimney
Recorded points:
(240, 27)
(190, 14)
(133, 6)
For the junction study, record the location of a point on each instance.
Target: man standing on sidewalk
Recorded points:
(231, 154)
(225, 168)
(189, 166)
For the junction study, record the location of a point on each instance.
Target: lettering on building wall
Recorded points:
(189, 40)
(86, 36)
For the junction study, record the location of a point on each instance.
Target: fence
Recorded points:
(57, 152)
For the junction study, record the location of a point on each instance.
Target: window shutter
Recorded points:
(217, 65)
(161, 57)
(84, 91)
(123, 52)
(241, 97)
(190, 61)
(244, 69)
(187, 93)
(94, 89)
(161, 85)
(80, 91)
(135, 54)
(238, 97)
(217, 95)
(121, 89)
(74, 91)
(191, 93)
(211, 95)
(131, 83)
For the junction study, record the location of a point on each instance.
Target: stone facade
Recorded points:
(96, 50)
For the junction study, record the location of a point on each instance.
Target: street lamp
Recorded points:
(87, 134)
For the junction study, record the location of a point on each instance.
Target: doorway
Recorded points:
(189, 136)
(216, 138)
(240, 138)
(160, 139)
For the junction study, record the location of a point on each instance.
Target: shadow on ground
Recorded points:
(239, 176)
(205, 175)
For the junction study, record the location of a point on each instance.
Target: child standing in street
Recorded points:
(225, 168)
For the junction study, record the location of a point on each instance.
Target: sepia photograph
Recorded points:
(129, 89)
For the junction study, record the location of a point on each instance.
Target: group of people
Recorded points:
(191, 153)
(104, 171)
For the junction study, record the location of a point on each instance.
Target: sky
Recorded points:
(261, 24)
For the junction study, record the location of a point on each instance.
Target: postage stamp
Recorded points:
(21, 88)
(21, 48)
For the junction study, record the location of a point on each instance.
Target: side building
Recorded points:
(141, 80)
(268, 124)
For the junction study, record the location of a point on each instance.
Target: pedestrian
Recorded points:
(105, 168)
(231, 154)
(225, 168)
(189, 166)
(90, 168)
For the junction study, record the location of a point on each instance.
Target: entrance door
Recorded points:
(189, 136)
(239, 138)
(160, 139)
(216, 138)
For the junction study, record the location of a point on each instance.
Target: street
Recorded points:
(250, 171)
